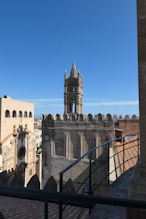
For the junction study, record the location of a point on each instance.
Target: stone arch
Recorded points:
(104, 137)
(30, 114)
(25, 114)
(20, 114)
(60, 148)
(14, 113)
(90, 143)
(7, 113)
(75, 145)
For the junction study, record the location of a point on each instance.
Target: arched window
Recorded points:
(20, 114)
(7, 113)
(14, 113)
(25, 114)
(75, 145)
(30, 114)
(60, 146)
(90, 143)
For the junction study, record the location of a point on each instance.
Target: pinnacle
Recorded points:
(73, 70)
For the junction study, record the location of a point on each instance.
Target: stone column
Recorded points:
(53, 152)
(138, 181)
(67, 144)
(97, 143)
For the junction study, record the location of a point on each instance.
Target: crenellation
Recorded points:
(49, 117)
(67, 117)
(81, 117)
(57, 117)
(108, 117)
(115, 118)
(120, 117)
(134, 117)
(100, 117)
(127, 117)
(90, 117)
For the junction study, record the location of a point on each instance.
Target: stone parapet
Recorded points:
(78, 117)
(88, 118)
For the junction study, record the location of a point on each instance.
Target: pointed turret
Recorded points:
(73, 71)
(65, 75)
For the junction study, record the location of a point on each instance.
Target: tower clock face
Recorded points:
(21, 152)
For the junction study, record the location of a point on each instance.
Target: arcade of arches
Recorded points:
(74, 144)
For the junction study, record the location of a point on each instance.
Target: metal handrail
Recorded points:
(78, 200)
(91, 172)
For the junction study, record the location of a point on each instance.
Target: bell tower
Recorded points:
(73, 92)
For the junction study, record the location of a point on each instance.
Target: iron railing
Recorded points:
(78, 200)
(121, 153)
(125, 155)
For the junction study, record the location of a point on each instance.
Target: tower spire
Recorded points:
(73, 92)
(73, 70)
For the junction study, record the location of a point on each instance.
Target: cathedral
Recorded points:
(67, 137)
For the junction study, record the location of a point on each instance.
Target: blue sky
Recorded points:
(40, 39)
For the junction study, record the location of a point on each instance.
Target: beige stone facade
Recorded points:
(17, 137)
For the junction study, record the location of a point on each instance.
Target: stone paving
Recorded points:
(14, 208)
(119, 189)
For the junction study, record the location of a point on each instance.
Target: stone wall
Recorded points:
(67, 137)
(128, 125)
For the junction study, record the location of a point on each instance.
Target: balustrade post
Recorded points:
(46, 209)
(90, 182)
(123, 154)
(61, 189)
(115, 166)
(138, 146)
(108, 159)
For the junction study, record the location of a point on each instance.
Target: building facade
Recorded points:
(17, 139)
(67, 137)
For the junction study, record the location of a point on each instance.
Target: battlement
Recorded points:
(126, 117)
(88, 118)
(80, 118)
